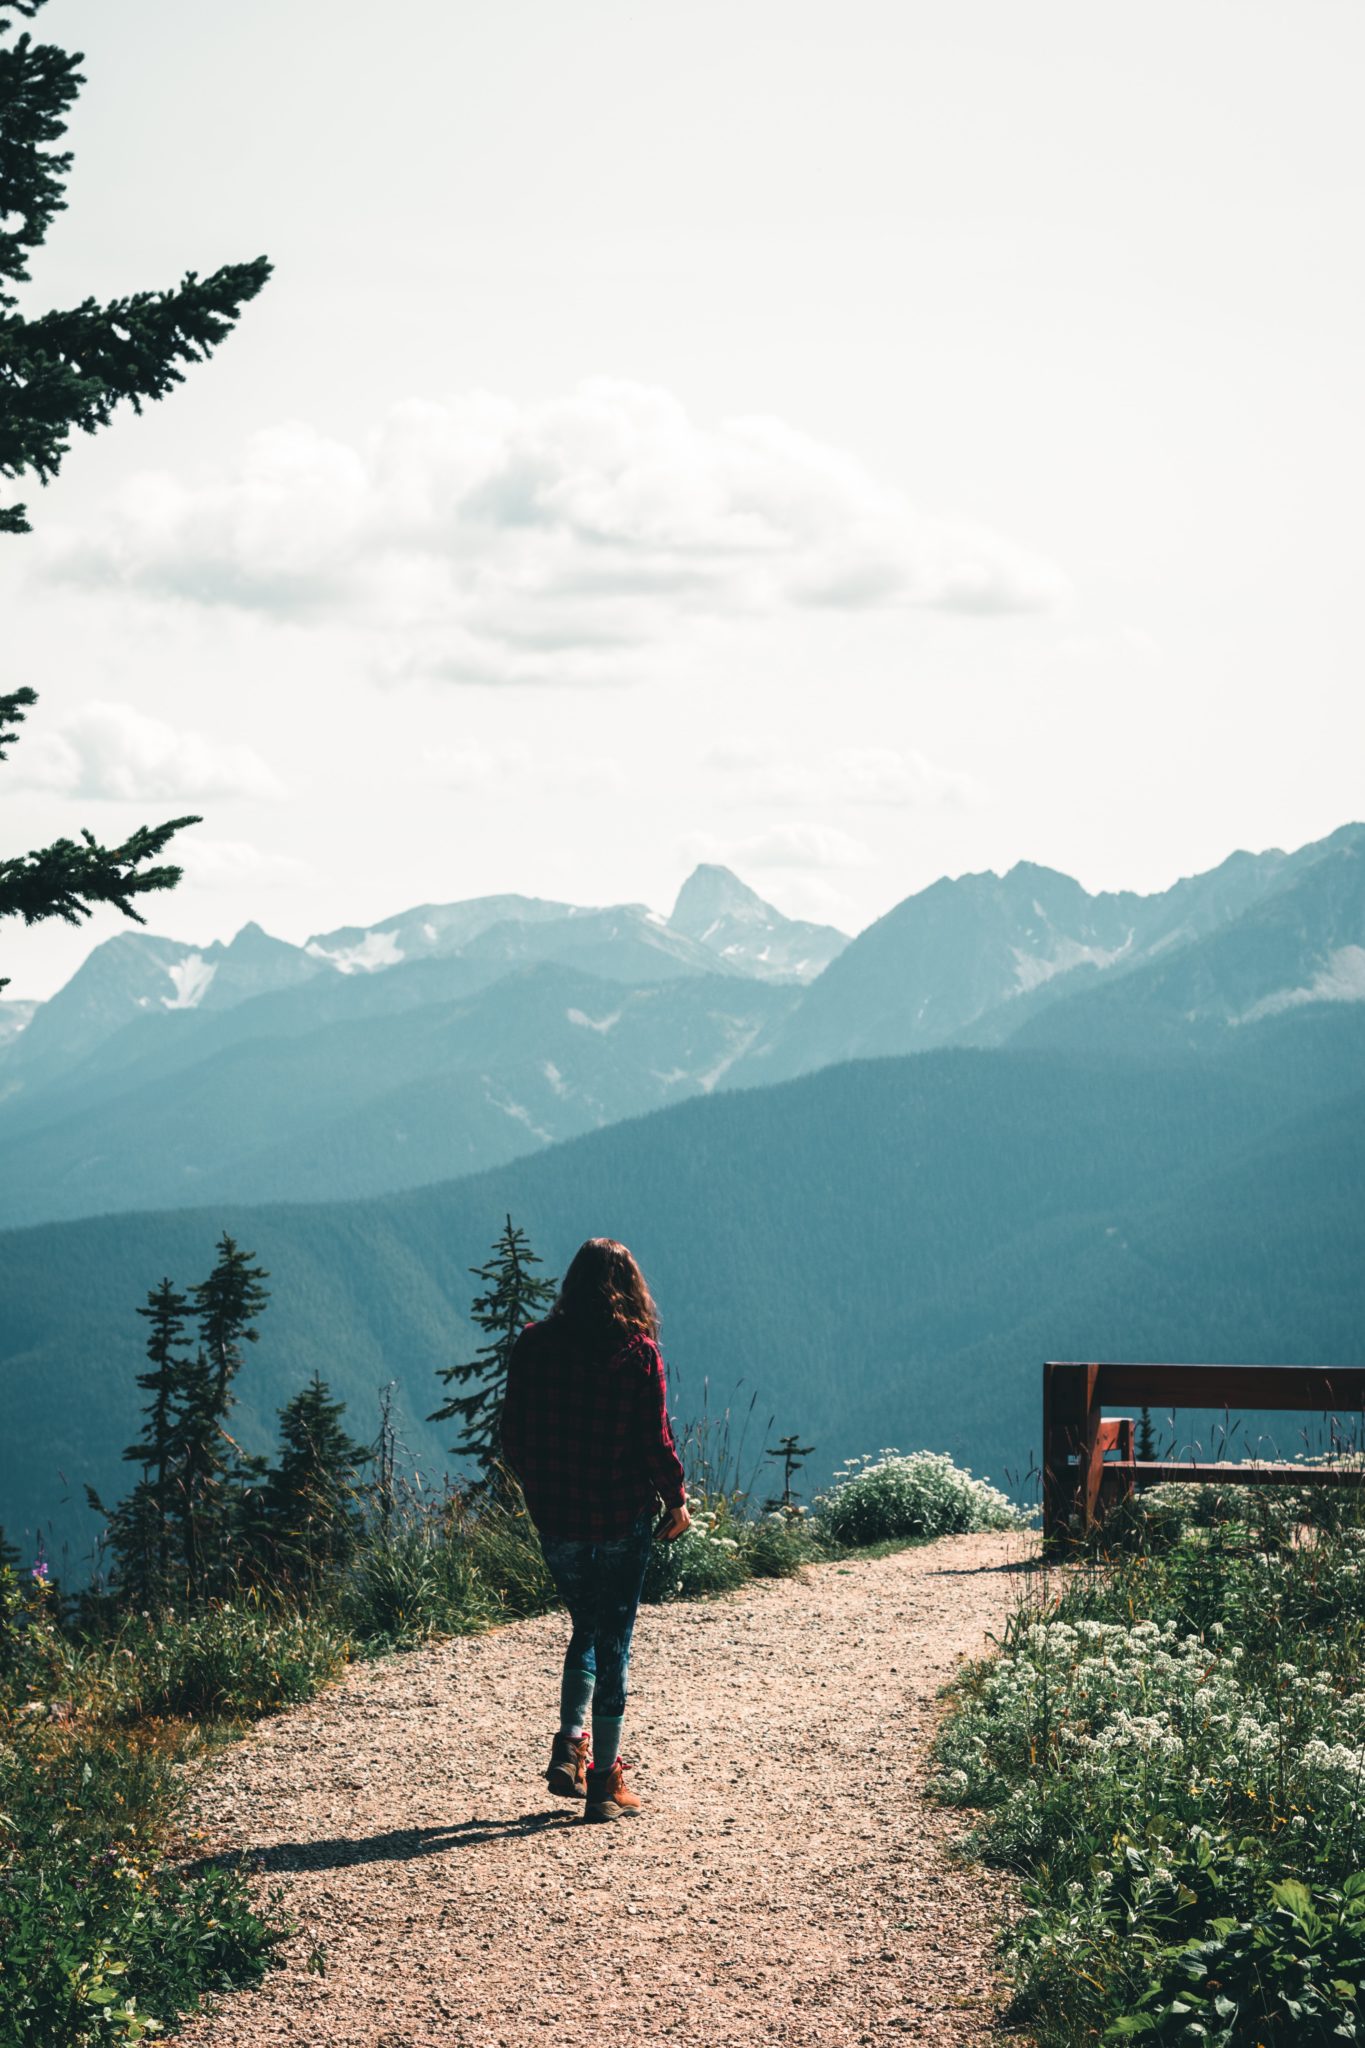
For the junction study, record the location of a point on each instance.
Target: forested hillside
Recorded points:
(881, 1253)
(379, 1096)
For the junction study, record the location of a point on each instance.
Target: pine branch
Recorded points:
(72, 369)
(12, 714)
(38, 84)
(67, 879)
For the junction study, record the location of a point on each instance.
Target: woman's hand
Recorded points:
(673, 1524)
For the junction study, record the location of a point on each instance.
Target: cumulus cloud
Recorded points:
(483, 541)
(111, 751)
(850, 775)
(234, 863)
(782, 846)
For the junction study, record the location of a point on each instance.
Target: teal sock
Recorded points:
(606, 1740)
(575, 1698)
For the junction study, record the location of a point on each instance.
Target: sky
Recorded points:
(855, 443)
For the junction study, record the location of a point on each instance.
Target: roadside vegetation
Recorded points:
(233, 1585)
(110, 1929)
(1169, 1751)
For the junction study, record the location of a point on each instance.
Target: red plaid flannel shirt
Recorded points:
(588, 1437)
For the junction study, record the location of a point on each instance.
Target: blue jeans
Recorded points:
(599, 1583)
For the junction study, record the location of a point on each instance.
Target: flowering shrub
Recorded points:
(705, 1559)
(1175, 1759)
(922, 1494)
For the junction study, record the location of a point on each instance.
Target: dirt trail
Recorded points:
(786, 1883)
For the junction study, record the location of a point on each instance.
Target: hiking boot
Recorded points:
(609, 1796)
(568, 1771)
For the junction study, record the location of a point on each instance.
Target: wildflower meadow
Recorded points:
(1169, 1750)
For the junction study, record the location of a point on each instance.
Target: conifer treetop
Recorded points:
(70, 368)
(511, 1296)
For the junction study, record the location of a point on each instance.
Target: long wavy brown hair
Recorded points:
(604, 1297)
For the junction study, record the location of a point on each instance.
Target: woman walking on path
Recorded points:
(585, 1429)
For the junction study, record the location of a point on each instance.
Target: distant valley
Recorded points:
(876, 1181)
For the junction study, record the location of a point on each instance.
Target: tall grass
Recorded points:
(1170, 1752)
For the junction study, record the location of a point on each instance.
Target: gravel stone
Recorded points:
(785, 1887)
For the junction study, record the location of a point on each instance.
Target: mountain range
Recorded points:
(875, 1181)
(454, 1037)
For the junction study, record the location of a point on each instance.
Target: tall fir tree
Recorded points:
(215, 1485)
(226, 1304)
(166, 1314)
(199, 1507)
(512, 1295)
(66, 370)
(189, 1525)
(310, 1511)
(1146, 1437)
(140, 1527)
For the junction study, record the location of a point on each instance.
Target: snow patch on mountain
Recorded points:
(517, 1111)
(1031, 970)
(375, 951)
(587, 1023)
(1340, 980)
(191, 979)
(555, 1079)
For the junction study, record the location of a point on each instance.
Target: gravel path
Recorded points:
(785, 1884)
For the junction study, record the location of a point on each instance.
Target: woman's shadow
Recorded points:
(395, 1845)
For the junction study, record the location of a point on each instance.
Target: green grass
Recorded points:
(1170, 1753)
(99, 1939)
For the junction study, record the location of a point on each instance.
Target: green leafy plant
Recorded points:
(1293, 1976)
(1171, 1755)
(922, 1494)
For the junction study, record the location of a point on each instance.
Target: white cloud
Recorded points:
(482, 541)
(111, 751)
(474, 768)
(782, 846)
(850, 775)
(234, 863)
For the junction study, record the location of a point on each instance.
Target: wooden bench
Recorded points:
(1089, 1459)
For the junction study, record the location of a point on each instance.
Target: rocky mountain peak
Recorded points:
(711, 893)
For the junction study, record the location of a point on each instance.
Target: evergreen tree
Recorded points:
(201, 1506)
(226, 1303)
(512, 1296)
(215, 1489)
(311, 1515)
(64, 370)
(166, 1314)
(139, 1530)
(136, 1534)
(1146, 1438)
